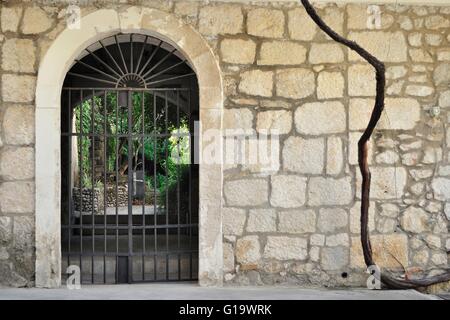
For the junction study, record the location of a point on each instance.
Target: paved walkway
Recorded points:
(188, 291)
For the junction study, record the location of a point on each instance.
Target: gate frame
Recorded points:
(59, 58)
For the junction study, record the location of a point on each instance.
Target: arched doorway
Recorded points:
(129, 187)
(53, 69)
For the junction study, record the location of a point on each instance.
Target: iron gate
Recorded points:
(129, 190)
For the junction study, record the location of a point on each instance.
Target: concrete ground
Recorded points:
(187, 291)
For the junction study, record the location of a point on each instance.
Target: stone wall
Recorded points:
(297, 223)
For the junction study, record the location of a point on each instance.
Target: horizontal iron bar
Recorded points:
(126, 254)
(125, 89)
(125, 135)
(124, 227)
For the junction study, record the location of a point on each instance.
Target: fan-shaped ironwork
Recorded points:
(129, 61)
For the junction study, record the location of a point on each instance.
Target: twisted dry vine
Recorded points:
(387, 279)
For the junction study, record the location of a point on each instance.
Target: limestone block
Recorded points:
(18, 88)
(387, 182)
(246, 192)
(386, 46)
(277, 121)
(228, 257)
(17, 197)
(281, 53)
(10, 18)
(18, 55)
(238, 51)
(233, 221)
(17, 163)
(298, 17)
(263, 22)
(221, 19)
(286, 248)
(304, 155)
(297, 221)
(334, 258)
(295, 83)
(441, 188)
(288, 191)
(335, 156)
(237, 118)
(361, 80)
(330, 85)
(320, 118)
(414, 220)
(325, 53)
(329, 191)
(256, 83)
(262, 220)
(332, 220)
(248, 252)
(18, 125)
(35, 21)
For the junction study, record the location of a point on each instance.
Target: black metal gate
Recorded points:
(129, 210)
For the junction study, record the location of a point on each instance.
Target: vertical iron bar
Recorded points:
(117, 181)
(93, 182)
(166, 145)
(191, 166)
(130, 186)
(105, 182)
(143, 184)
(155, 221)
(69, 109)
(131, 53)
(178, 183)
(81, 184)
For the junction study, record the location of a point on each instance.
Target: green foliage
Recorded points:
(169, 153)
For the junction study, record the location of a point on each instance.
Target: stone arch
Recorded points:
(53, 68)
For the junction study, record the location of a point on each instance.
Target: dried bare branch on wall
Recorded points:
(387, 279)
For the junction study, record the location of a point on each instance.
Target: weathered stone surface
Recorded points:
(10, 18)
(437, 22)
(439, 259)
(286, 248)
(394, 114)
(247, 192)
(304, 155)
(421, 257)
(221, 19)
(295, 83)
(387, 157)
(248, 252)
(5, 230)
(18, 125)
(415, 39)
(334, 258)
(276, 121)
(329, 191)
(317, 240)
(17, 163)
(420, 55)
(441, 188)
(414, 220)
(325, 53)
(355, 217)
(35, 21)
(23, 233)
(238, 51)
(387, 182)
(297, 221)
(228, 257)
(396, 72)
(336, 240)
(361, 80)
(256, 83)
(432, 155)
(387, 251)
(335, 156)
(320, 118)
(441, 74)
(18, 88)
(11, 192)
(18, 55)
(358, 18)
(299, 17)
(419, 91)
(386, 46)
(444, 99)
(281, 53)
(187, 9)
(332, 220)
(262, 220)
(288, 191)
(263, 22)
(237, 118)
(233, 221)
(330, 85)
